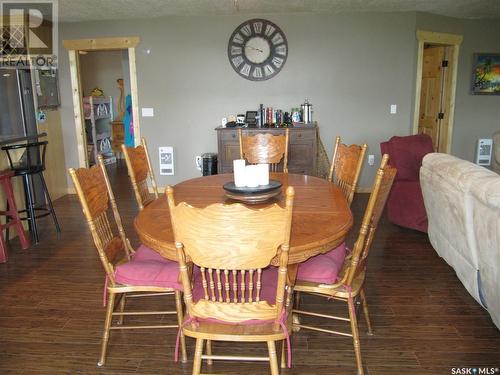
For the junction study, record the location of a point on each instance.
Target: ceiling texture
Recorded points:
(78, 10)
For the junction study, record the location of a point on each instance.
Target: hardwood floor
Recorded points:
(51, 312)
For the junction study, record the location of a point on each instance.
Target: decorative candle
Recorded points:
(239, 172)
(263, 172)
(252, 175)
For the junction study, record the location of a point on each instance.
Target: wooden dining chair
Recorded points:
(336, 276)
(129, 273)
(140, 171)
(265, 148)
(237, 296)
(346, 167)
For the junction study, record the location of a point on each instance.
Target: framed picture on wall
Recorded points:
(486, 74)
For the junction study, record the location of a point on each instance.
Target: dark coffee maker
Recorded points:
(209, 163)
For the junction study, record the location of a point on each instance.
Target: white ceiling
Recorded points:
(86, 10)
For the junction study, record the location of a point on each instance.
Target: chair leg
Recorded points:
(107, 325)
(12, 213)
(273, 360)
(283, 355)
(3, 249)
(180, 318)
(355, 334)
(7, 218)
(122, 308)
(365, 311)
(295, 317)
(49, 202)
(30, 209)
(209, 352)
(197, 356)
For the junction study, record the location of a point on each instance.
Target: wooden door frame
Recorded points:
(454, 41)
(100, 44)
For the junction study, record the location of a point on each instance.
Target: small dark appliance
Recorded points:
(251, 119)
(209, 163)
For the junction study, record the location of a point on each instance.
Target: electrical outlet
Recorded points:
(371, 159)
(394, 109)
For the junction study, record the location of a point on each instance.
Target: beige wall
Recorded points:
(342, 63)
(351, 67)
(476, 116)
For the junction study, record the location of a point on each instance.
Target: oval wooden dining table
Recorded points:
(321, 216)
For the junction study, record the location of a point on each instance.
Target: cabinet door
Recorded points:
(231, 151)
(301, 158)
(302, 152)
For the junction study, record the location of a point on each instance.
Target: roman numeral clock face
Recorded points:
(257, 50)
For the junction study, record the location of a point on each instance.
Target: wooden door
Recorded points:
(432, 96)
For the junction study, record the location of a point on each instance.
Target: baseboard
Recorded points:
(364, 190)
(161, 190)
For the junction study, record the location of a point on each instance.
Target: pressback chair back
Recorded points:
(376, 203)
(115, 252)
(346, 167)
(140, 171)
(231, 256)
(265, 148)
(94, 192)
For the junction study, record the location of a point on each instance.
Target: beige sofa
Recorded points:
(462, 201)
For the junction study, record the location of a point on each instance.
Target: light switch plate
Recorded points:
(166, 160)
(394, 109)
(148, 112)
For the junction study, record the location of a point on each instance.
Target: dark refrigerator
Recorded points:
(17, 113)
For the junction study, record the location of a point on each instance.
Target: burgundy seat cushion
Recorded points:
(269, 281)
(323, 268)
(148, 268)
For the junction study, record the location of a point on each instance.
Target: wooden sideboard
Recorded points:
(302, 148)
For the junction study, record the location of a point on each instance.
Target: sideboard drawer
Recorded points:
(302, 135)
(229, 135)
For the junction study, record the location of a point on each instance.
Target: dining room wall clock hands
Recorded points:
(257, 49)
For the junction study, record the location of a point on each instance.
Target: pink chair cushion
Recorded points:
(323, 268)
(145, 253)
(268, 292)
(148, 268)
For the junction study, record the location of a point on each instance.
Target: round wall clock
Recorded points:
(257, 49)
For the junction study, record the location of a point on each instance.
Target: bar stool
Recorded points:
(12, 214)
(32, 163)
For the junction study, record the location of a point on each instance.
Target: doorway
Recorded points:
(437, 61)
(82, 47)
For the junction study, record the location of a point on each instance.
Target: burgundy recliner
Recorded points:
(405, 205)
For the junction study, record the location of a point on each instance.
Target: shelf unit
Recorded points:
(97, 110)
